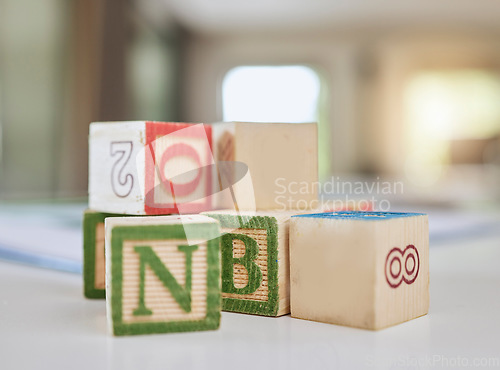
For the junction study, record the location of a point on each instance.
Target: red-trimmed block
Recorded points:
(150, 168)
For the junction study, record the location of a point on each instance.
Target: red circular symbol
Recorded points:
(176, 150)
(396, 260)
(391, 267)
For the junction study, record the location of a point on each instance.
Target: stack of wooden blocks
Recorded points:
(213, 231)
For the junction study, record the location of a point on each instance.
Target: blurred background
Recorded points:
(402, 91)
(405, 93)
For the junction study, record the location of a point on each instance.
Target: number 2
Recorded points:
(121, 184)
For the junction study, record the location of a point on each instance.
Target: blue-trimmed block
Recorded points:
(363, 269)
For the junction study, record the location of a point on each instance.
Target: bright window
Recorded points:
(289, 93)
(271, 94)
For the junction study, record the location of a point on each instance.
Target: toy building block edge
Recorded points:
(270, 224)
(379, 316)
(114, 278)
(90, 221)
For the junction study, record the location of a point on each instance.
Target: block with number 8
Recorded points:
(363, 269)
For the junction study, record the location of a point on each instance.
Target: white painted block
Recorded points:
(150, 168)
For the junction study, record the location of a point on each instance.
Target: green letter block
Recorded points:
(255, 265)
(158, 280)
(93, 254)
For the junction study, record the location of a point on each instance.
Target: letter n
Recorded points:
(181, 294)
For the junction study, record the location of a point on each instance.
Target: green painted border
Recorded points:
(155, 232)
(90, 221)
(271, 307)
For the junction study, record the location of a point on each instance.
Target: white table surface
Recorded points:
(45, 322)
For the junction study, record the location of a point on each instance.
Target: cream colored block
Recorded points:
(363, 269)
(282, 159)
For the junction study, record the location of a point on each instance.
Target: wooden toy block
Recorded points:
(363, 269)
(282, 160)
(255, 263)
(94, 262)
(162, 274)
(150, 168)
(94, 275)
